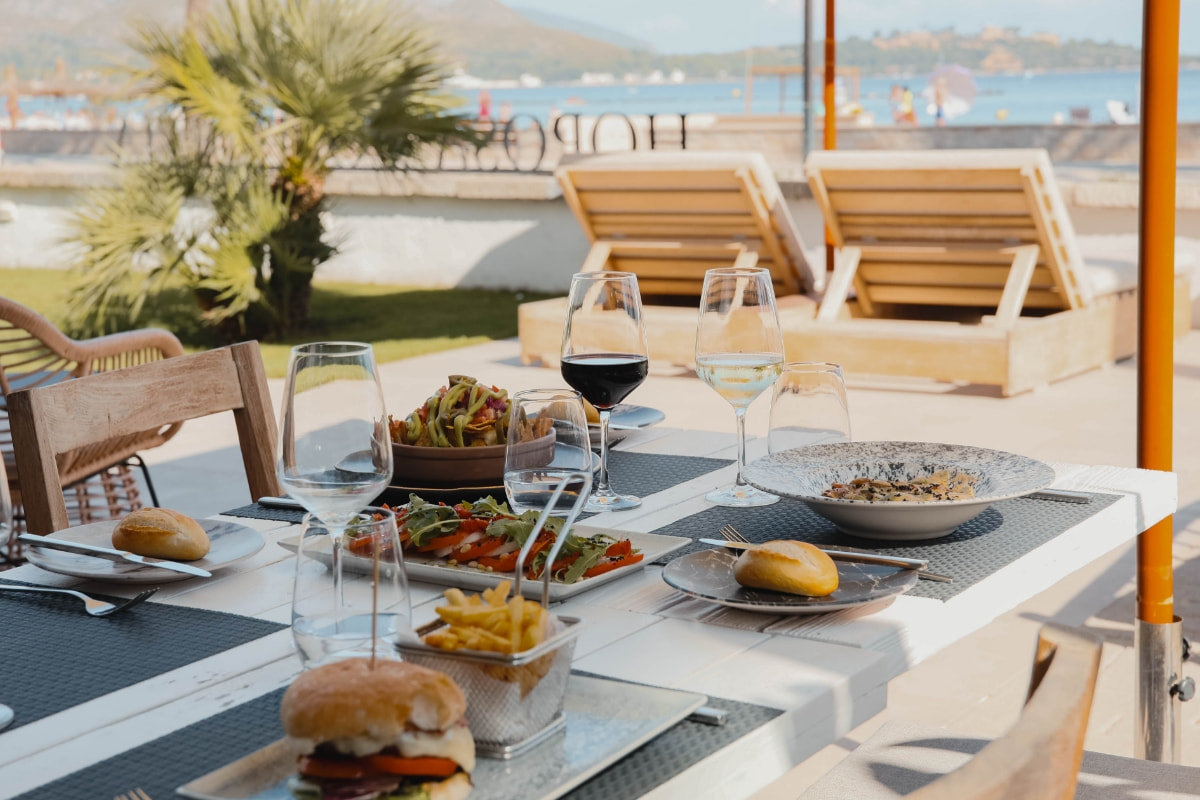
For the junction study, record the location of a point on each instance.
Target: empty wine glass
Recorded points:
(604, 357)
(364, 612)
(547, 441)
(334, 452)
(808, 407)
(739, 353)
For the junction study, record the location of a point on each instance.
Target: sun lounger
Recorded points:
(958, 265)
(669, 217)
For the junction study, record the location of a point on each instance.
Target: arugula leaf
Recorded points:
(590, 552)
(518, 530)
(488, 506)
(426, 521)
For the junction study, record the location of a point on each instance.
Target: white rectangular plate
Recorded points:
(606, 720)
(653, 546)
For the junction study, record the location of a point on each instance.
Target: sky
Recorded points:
(692, 26)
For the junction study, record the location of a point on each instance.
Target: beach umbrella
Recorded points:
(1158, 633)
(954, 87)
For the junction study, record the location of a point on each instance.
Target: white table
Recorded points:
(827, 673)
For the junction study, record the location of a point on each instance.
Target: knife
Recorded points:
(853, 555)
(110, 554)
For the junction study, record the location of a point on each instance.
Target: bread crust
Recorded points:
(787, 566)
(161, 533)
(348, 698)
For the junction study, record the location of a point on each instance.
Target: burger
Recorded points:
(389, 730)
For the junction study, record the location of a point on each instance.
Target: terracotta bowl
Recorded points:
(453, 466)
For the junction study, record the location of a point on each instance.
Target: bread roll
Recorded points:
(161, 533)
(591, 412)
(787, 566)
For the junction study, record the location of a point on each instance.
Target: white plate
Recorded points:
(625, 418)
(653, 546)
(807, 472)
(605, 721)
(708, 575)
(231, 542)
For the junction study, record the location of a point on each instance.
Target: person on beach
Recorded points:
(485, 104)
(939, 102)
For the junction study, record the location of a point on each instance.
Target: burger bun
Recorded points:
(161, 533)
(787, 566)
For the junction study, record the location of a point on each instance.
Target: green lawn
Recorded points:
(399, 321)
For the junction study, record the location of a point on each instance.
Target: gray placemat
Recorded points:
(158, 767)
(997, 537)
(641, 474)
(54, 656)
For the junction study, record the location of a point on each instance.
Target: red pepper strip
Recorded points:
(559, 565)
(608, 565)
(488, 544)
(508, 561)
(621, 548)
(449, 540)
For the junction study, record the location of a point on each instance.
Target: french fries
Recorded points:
(492, 622)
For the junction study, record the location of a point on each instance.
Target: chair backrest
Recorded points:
(940, 227)
(691, 198)
(1039, 758)
(58, 418)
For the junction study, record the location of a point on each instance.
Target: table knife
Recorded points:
(110, 554)
(854, 555)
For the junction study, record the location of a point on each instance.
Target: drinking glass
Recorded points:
(604, 358)
(334, 452)
(365, 611)
(547, 441)
(808, 407)
(739, 353)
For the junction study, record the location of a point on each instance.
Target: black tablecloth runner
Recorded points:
(641, 474)
(158, 767)
(54, 656)
(997, 537)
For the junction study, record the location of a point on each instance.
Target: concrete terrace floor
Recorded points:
(974, 687)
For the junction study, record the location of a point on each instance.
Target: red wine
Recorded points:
(604, 379)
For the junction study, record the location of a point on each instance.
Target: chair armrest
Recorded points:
(127, 349)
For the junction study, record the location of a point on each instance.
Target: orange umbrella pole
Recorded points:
(1158, 633)
(830, 108)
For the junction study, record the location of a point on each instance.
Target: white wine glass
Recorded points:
(334, 452)
(547, 441)
(369, 608)
(739, 353)
(604, 357)
(808, 406)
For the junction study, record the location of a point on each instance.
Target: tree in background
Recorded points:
(258, 101)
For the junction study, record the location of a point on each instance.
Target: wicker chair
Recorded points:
(33, 352)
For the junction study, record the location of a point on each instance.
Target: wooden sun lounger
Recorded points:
(963, 265)
(669, 217)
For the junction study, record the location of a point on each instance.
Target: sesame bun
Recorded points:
(161, 533)
(787, 566)
(348, 699)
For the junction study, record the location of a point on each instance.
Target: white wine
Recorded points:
(739, 377)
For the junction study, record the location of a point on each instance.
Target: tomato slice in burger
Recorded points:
(348, 769)
(424, 766)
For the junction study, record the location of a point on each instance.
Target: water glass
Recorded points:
(547, 441)
(368, 608)
(808, 407)
(739, 353)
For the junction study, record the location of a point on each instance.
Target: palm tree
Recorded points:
(258, 101)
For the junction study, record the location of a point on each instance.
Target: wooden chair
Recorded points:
(668, 218)
(964, 267)
(33, 352)
(1038, 759)
(50, 420)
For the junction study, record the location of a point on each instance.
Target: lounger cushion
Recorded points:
(903, 757)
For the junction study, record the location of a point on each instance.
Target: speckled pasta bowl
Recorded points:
(805, 473)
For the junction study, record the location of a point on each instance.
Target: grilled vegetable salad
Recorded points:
(463, 414)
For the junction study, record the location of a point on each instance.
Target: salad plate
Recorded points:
(708, 575)
(653, 546)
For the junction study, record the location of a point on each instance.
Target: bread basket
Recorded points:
(514, 700)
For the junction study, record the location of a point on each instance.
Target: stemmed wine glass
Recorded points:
(604, 357)
(739, 353)
(334, 452)
(808, 407)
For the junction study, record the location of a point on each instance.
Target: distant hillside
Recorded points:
(547, 20)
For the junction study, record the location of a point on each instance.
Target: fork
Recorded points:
(97, 608)
(135, 794)
(732, 534)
